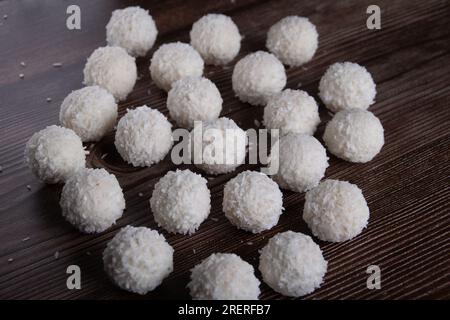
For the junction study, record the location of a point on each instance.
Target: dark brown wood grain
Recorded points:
(406, 185)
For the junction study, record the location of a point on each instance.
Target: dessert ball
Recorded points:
(354, 135)
(54, 154)
(293, 40)
(138, 259)
(292, 264)
(143, 136)
(223, 276)
(347, 85)
(113, 69)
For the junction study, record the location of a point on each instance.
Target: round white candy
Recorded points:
(91, 112)
(354, 135)
(292, 111)
(252, 201)
(181, 201)
(143, 136)
(216, 37)
(54, 154)
(133, 29)
(335, 210)
(138, 259)
(347, 85)
(293, 40)
(223, 276)
(194, 99)
(292, 264)
(174, 61)
(92, 200)
(218, 147)
(113, 69)
(301, 161)
(257, 77)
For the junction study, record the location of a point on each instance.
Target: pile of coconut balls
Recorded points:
(138, 259)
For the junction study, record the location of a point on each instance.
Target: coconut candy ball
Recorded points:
(216, 37)
(293, 40)
(301, 161)
(257, 77)
(223, 276)
(113, 69)
(138, 259)
(194, 99)
(90, 112)
(181, 201)
(218, 147)
(335, 210)
(292, 264)
(252, 201)
(133, 29)
(354, 135)
(143, 136)
(347, 85)
(174, 61)
(92, 200)
(54, 154)
(292, 111)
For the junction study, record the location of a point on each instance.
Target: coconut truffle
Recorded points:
(181, 201)
(194, 99)
(91, 112)
(174, 61)
(92, 200)
(223, 276)
(301, 161)
(347, 85)
(218, 147)
(252, 201)
(292, 111)
(257, 77)
(293, 40)
(133, 29)
(143, 136)
(113, 69)
(216, 37)
(292, 264)
(138, 259)
(54, 154)
(335, 210)
(354, 135)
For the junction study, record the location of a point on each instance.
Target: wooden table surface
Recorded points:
(406, 185)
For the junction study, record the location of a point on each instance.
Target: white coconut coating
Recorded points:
(335, 210)
(92, 200)
(218, 147)
(143, 136)
(354, 135)
(293, 40)
(216, 37)
(347, 85)
(252, 201)
(181, 201)
(292, 111)
(54, 154)
(91, 112)
(174, 61)
(113, 69)
(301, 162)
(257, 77)
(133, 29)
(194, 99)
(138, 259)
(223, 276)
(292, 264)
